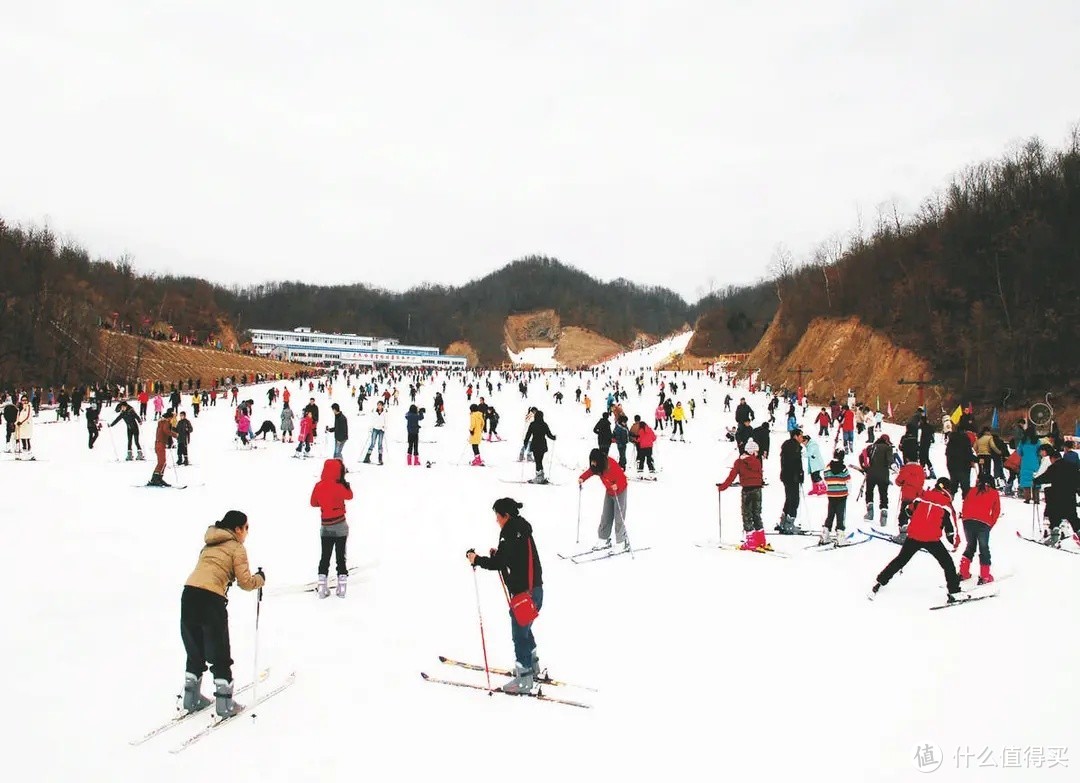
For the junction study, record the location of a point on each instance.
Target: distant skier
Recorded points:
(340, 430)
(536, 438)
(518, 563)
(24, 430)
(476, 434)
(132, 421)
(378, 430)
(204, 616)
(165, 431)
(286, 422)
(412, 432)
(93, 425)
(602, 431)
(792, 477)
(183, 438)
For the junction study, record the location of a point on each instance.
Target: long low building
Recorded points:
(304, 345)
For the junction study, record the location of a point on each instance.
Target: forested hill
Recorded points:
(475, 312)
(54, 297)
(983, 282)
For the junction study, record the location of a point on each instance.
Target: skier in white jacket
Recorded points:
(378, 430)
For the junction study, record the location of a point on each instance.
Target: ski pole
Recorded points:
(621, 515)
(255, 665)
(719, 518)
(579, 488)
(480, 615)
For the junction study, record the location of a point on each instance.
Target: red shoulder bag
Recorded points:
(521, 605)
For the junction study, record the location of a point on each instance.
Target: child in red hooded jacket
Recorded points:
(329, 496)
(980, 511)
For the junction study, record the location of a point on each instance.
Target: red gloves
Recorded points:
(956, 541)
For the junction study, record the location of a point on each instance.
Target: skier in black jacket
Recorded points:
(340, 430)
(536, 437)
(602, 430)
(131, 419)
(792, 476)
(518, 564)
(10, 412)
(1063, 482)
(93, 427)
(743, 412)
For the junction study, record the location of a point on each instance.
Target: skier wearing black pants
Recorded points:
(932, 513)
(791, 474)
(93, 427)
(877, 478)
(204, 618)
(131, 419)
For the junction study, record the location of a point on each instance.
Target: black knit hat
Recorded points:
(232, 520)
(507, 506)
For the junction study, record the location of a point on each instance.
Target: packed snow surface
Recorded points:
(649, 358)
(709, 664)
(541, 358)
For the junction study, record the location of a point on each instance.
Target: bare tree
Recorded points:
(781, 268)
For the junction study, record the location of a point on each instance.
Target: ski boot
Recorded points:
(367, 458)
(522, 681)
(321, 589)
(787, 526)
(129, 457)
(140, 456)
(157, 481)
(985, 577)
(874, 590)
(842, 538)
(193, 698)
(223, 693)
(342, 584)
(883, 518)
(965, 569)
(603, 543)
(869, 512)
(538, 478)
(826, 537)
(380, 458)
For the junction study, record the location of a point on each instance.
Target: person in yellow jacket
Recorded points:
(678, 416)
(476, 433)
(204, 618)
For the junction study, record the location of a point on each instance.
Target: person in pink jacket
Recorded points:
(159, 406)
(660, 416)
(243, 426)
(307, 432)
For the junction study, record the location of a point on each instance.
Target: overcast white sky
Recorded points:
(672, 143)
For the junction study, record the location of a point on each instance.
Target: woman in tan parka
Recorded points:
(204, 618)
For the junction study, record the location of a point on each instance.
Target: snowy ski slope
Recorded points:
(709, 664)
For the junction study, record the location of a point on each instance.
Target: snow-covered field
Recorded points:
(710, 664)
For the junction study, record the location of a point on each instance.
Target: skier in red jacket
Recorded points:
(748, 470)
(614, 480)
(932, 513)
(329, 496)
(980, 511)
(911, 480)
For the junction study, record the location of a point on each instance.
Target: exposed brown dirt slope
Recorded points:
(538, 329)
(844, 353)
(171, 362)
(462, 348)
(577, 347)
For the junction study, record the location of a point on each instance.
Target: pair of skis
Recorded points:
(1045, 545)
(592, 555)
(217, 723)
(538, 694)
(767, 550)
